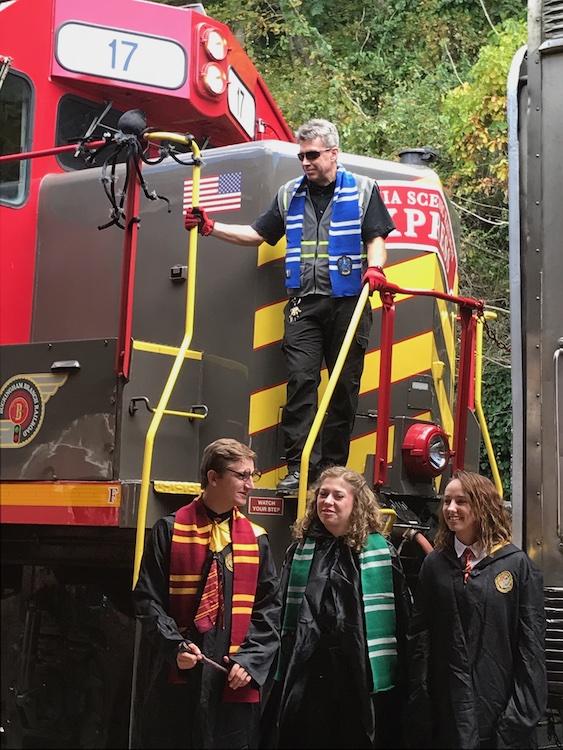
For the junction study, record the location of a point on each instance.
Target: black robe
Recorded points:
(325, 700)
(477, 654)
(193, 714)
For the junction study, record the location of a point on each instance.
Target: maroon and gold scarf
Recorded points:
(191, 538)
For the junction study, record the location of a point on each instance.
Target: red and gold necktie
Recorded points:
(210, 604)
(467, 557)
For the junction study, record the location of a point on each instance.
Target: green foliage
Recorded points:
(474, 114)
(404, 120)
(497, 408)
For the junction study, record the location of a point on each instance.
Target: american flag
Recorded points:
(218, 192)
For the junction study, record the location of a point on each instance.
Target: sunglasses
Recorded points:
(311, 155)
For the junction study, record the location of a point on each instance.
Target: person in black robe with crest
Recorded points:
(477, 638)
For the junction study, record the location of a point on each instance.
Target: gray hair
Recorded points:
(319, 129)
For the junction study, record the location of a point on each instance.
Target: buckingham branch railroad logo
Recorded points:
(22, 406)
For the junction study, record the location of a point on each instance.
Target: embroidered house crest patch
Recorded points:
(504, 582)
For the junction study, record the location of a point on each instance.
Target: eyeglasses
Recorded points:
(244, 476)
(311, 155)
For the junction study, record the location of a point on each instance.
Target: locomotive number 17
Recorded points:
(133, 57)
(114, 45)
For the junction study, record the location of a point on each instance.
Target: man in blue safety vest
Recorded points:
(335, 224)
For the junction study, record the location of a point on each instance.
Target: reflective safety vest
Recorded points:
(314, 265)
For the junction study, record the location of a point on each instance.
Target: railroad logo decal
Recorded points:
(420, 212)
(504, 582)
(22, 406)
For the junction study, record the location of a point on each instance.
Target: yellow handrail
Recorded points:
(315, 427)
(180, 356)
(479, 403)
(389, 521)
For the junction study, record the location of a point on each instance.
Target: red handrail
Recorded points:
(128, 263)
(468, 306)
(50, 151)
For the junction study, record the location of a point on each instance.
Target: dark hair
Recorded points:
(494, 526)
(365, 517)
(220, 454)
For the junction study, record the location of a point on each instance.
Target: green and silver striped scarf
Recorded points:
(376, 577)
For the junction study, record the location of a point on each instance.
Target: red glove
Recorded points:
(197, 217)
(375, 277)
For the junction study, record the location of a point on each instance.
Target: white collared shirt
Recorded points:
(478, 552)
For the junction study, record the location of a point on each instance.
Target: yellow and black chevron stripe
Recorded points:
(424, 344)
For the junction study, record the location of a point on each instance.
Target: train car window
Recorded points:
(74, 117)
(15, 137)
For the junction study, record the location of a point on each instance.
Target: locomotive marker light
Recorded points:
(214, 44)
(426, 451)
(214, 79)
(213, 74)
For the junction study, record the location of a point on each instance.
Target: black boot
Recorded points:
(289, 485)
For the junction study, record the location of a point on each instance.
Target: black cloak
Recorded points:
(477, 653)
(193, 714)
(325, 700)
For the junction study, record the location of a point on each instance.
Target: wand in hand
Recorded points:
(185, 647)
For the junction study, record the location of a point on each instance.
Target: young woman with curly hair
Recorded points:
(344, 608)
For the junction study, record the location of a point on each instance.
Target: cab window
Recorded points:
(74, 117)
(15, 137)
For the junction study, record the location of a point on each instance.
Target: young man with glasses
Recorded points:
(335, 224)
(205, 602)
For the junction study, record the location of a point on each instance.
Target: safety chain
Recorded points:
(491, 334)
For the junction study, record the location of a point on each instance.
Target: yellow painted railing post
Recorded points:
(479, 403)
(333, 380)
(180, 356)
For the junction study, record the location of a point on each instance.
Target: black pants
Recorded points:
(312, 335)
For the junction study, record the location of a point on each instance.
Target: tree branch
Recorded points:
(488, 17)
(445, 45)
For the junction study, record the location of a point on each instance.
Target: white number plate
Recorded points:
(242, 103)
(123, 55)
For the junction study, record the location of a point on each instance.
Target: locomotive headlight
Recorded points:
(214, 79)
(214, 44)
(426, 451)
(438, 452)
